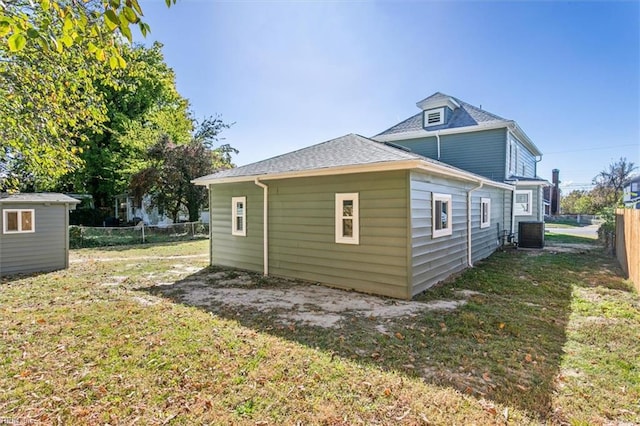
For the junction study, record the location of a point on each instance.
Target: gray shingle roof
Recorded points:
(348, 150)
(37, 197)
(466, 115)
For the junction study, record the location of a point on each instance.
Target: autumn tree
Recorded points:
(610, 182)
(172, 168)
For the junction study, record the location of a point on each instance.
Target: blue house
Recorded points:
(390, 215)
(452, 131)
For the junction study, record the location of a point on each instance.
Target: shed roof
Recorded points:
(37, 198)
(350, 153)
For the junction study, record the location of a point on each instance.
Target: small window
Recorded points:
(239, 216)
(18, 221)
(523, 203)
(433, 117)
(485, 212)
(441, 216)
(347, 219)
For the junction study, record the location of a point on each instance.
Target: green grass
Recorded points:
(549, 338)
(554, 238)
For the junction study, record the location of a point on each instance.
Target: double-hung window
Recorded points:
(347, 219)
(523, 206)
(18, 221)
(441, 215)
(485, 212)
(239, 216)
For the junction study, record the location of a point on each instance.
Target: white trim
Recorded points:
(519, 210)
(448, 230)
(428, 166)
(18, 212)
(426, 113)
(436, 103)
(518, 182)
(483, 202)
(265, 225)
(355, 218)
(234, 215)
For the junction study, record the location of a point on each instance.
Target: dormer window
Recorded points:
(433, 117)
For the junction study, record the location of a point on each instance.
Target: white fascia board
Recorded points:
(329, 171)
(524, 182)
(364, 168)
(416, 134)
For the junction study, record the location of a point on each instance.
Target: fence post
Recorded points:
(142, 232)
(193, 232)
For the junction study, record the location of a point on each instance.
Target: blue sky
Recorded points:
(292, 74)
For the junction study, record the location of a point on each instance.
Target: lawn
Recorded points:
(544, 337)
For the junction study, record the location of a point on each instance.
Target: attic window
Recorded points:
(433, 117)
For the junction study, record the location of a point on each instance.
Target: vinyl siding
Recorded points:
(524, 158)
(230, 250)
(39, 251)
(302, 232)
(484, 241)
(481, 152)
(434, 259)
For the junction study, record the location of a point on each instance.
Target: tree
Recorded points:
(168, 178)
(577, 202)
(142, 104)
(96, 23)
(609, 183)
(46, 103)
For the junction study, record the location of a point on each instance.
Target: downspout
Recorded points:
(469, 250)
(513, 207)
(438, 140)
(265, 225)
(210, 189)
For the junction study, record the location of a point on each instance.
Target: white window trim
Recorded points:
(425, 117)
(5, 221)
(234, 212)
(340, 198)
(487, 202)
(436, 233)
(520, 212)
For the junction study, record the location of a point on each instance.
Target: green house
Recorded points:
(392, 215)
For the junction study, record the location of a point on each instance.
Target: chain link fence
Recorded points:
(84, 236)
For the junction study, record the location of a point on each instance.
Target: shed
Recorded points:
(34, 232)
(358, 214)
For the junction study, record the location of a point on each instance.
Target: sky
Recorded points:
(293, 74)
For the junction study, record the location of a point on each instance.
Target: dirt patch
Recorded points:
(295, 302)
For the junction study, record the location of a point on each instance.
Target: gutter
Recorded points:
(265, 225)
(469, 248)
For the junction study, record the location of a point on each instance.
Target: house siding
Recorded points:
(434, 259)
(40, 251)
(484, 241)
(302, 232)
(231, 250)
(524, 158)
(483, 152)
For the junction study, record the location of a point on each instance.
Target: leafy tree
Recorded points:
(577, 202)
(609, 183)
(97, 23)
(168, 178)
(46, 103)
(141, 103)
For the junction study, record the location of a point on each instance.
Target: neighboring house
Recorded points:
(631, 193)
(127, 209)
(457, 133)
(34, 232)
(380, 216)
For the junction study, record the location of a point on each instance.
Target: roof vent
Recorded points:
(434, 117)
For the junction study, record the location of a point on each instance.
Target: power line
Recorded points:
(590, 149)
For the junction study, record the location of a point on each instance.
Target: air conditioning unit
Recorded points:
(531, 234)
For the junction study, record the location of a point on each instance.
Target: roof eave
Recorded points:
(520, 134)
(416, 134)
